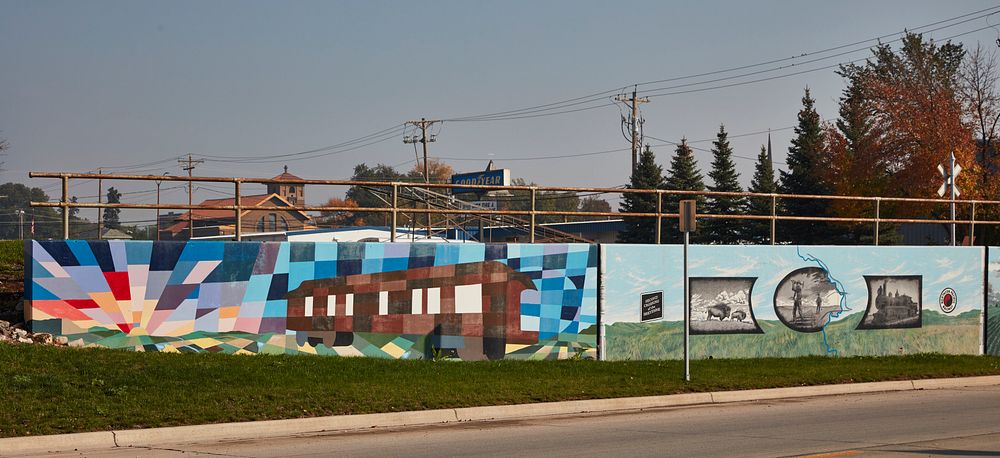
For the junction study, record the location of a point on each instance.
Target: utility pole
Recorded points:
(634, 123)
(189, 166)
(423, 124)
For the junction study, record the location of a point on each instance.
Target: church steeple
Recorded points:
(294, 193)
(770, 158)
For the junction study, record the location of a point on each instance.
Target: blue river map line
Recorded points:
(840, 290)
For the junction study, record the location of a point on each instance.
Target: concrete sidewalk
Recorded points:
(157, 437)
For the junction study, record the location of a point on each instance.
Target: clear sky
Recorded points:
(126, 83)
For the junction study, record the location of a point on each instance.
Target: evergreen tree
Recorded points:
(725, 179)
(648, 175)
(762, 183)
(805, 175)
(683, 176)
(111, 220)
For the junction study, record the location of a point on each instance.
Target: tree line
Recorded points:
(901, 113)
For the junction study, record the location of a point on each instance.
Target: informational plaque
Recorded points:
(652, 306)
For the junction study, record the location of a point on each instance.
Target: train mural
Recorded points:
(477, 304)
(389, 300)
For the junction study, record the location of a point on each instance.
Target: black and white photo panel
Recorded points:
(721, 305)
(805, 298)
(894, 302)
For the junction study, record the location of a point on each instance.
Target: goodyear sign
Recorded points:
(500, 177)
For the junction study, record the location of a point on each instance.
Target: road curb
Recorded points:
(154, 437)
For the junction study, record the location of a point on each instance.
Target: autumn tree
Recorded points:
(858, 161)
(916, 106)
(978, 80)
(439, 171)
(647, 175)
(683, 175)
(724, 179)
(341, 218)
(901, 115)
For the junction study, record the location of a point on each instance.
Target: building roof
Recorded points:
(286, 176)
(247, 202)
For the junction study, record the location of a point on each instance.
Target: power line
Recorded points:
(374, 140)
(391, 132)
(547, 109)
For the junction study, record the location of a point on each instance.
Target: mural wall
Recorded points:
(993, 301)
(401, 300)
(763, 301)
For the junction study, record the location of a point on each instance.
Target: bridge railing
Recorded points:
(394, 190)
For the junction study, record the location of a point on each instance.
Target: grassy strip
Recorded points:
(49, 390)
(11, 255)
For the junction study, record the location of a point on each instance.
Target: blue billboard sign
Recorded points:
(500, 177)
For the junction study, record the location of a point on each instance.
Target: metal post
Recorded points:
(532, 236)
(100, 211)
(20, 216)
(972, 226)
(157, 210)
(687, 314)
(951, 179)
(774, 214)
(395, 212)
(239, 211)
(659, 214)
(190, 210)
(878, 204)
(65, 206)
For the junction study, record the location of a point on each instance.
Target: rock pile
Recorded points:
(17, 334)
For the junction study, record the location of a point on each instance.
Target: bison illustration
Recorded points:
(738, 315)
(720, 311)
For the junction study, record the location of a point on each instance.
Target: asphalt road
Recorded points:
(955, 422)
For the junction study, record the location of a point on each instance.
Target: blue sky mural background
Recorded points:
(630, 270)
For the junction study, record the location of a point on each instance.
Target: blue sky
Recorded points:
(120, 83)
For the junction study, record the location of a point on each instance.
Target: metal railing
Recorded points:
(394, 191)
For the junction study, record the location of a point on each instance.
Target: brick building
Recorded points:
(261, 213)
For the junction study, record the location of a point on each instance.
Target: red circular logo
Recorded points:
(948, 300)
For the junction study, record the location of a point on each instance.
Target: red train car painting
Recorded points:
(470, 310)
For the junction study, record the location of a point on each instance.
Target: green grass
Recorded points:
(49, 390)
(664, 340)
(11, 255)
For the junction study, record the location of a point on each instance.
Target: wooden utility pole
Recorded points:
(423, 124)
(634, 123)
(189, 166)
